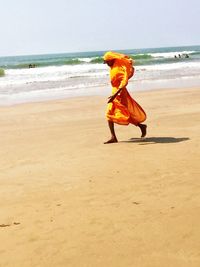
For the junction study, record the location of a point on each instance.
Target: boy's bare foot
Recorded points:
(112, 140)
(143, 128)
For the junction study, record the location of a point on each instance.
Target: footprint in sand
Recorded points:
(136, 203)
(7, 225)
(4, 225)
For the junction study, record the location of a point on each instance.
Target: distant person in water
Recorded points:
(122, 108)
(31, 66)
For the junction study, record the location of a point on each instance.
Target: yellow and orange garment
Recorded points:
(124, 109)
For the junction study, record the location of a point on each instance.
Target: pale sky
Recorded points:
(59, 26)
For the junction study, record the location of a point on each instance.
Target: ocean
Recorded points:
(55, 76)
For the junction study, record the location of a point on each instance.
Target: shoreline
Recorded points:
(102, 91)
(69, 200)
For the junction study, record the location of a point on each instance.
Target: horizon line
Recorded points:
(92, 51)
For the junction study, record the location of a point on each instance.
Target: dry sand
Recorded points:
(69, 200)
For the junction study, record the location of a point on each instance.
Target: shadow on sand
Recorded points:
(156, 140)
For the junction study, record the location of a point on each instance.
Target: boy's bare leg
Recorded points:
(143, 128)
(113, 138)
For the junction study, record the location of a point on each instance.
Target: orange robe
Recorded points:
(124, 109)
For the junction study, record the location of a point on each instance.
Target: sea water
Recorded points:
(41, 77)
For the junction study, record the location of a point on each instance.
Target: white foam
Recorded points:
(170, 54)
(170, 66)
(87, 60)
(52, 73)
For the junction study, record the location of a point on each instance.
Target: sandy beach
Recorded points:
(69, 200)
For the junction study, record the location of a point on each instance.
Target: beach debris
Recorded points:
(16, 223)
